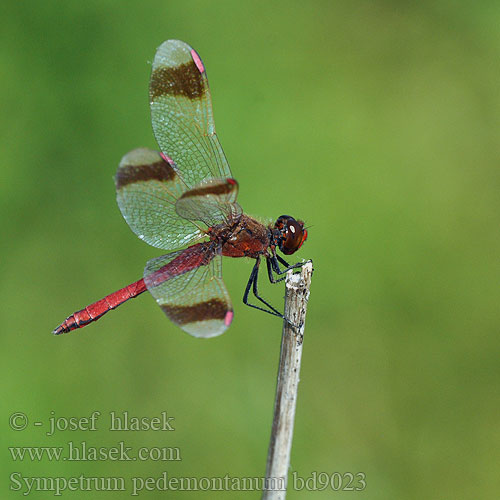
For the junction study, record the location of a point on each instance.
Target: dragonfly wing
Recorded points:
(147, 188)
(212, 201)
(188, 287)
(181, 112)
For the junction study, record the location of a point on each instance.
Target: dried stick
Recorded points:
(278, 458)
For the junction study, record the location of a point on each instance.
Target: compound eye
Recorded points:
(293, 238)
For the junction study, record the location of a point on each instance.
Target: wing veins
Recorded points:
(191, 134)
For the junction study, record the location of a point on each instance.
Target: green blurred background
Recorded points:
(375, 122)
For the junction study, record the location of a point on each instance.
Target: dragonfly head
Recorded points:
(289, 234)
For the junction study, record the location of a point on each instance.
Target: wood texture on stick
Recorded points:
(278, 458)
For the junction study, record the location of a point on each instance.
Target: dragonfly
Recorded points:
(183, 199)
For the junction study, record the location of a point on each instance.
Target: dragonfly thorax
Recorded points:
(246, 238)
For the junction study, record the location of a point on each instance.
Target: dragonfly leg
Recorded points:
(272, 279)
(273, 265)
(282, 260)
(252, 283)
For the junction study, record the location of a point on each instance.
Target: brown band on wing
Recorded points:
(128, 174)
(211, 309)
(210, 189)
(185, 80)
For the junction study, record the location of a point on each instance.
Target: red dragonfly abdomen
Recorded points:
(96, 310)
(185, 260)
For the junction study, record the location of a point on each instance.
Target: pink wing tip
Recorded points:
(197, 61)
(228, 318)
(167, 158)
